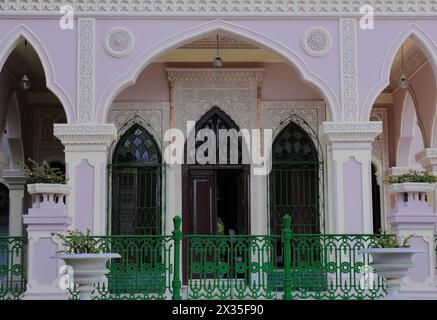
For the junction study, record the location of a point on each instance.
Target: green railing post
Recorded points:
(177, 237)
(286, 239)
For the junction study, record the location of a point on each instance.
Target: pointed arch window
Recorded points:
(296, 180)
(136, 173)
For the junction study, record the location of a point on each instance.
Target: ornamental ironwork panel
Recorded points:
(296, 180)
(136, 173)
(230, 267)
(329, 266)
(143, 272)
(12, 271)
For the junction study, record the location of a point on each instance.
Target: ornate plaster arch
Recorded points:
(149, 55)
(10, 42)
(426, 44)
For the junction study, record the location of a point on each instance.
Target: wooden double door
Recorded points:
(215, 198)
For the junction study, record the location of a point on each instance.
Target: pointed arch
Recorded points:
(426, 44)
(12, 40)
(136, 147)
(129, 77)
(296, 181)
(136, 184)
(408, 131)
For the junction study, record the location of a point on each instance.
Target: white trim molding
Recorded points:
(348, 65)
(162, 7)
(85, 138)
(428, 159)
(350, 134)
(85, 70)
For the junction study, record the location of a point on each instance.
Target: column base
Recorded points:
(420, 293)
(45, 293)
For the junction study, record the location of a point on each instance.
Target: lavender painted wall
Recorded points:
(280, 82)
(84, 196)
(353, 220)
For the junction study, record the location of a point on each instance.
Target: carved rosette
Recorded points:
(118, 42)
(316, 42)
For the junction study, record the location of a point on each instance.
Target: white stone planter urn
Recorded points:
(392, 264)
(415, 195)
(88, 269)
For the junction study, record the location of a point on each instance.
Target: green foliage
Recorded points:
(78, 242)
(412, 176)
(390, 241)
(220, 227)
(42, 173)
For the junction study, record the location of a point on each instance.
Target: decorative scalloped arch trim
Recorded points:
(10, 42)
(149, 55)
(426, 44)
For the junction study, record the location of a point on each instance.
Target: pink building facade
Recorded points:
(323, 72)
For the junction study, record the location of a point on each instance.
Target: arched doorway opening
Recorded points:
(296, 179)
(376, 201)
(216, 196)
(136, 184)
(4, 210)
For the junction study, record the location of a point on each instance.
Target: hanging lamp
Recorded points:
(25, 81)
(218, 62)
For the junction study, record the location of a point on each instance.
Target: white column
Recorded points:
(349, 175)
(16, 182)
(86, 158)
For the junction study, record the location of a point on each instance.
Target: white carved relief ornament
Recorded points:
(118, 42)
(316, 41)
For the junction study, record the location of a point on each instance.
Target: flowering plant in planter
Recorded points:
(392, 259)
(42, 173)
(413, 176)
(391, 241)
(83, 253)
(78, 242)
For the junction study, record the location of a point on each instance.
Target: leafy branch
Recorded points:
(42, 173)
(413, 176)
(391, 241)
(78, 242)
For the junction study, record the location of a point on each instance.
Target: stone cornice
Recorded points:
(15, 178)
(208, 74)
(350, 132)
(428, 159)
(202, 7)
(85, 138)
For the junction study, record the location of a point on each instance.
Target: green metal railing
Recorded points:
(229, 267)
(144, 271)
(12, 273)
(287, 266)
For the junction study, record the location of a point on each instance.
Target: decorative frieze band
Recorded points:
(348, 63)
(233, 6)
(363, 132)
(85, 138)
(85, 70)
(215, 74)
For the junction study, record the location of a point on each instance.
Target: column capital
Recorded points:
(86, 137)
(350, 135)
(428, 159)
(15, 178)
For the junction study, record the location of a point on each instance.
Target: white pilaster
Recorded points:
(16, 182)
(349, 146)
(87, 145)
